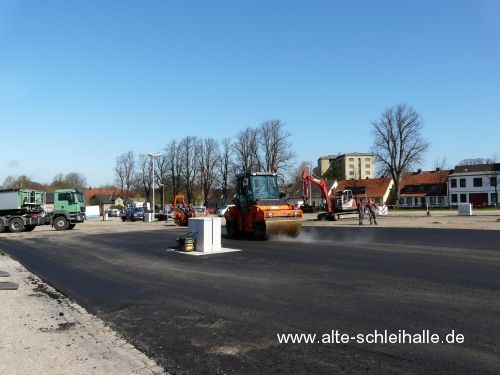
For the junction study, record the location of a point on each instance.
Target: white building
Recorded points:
(476, 184)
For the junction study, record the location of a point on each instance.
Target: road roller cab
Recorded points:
(260, 209)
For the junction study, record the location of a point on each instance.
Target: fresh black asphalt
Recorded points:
(221, 313)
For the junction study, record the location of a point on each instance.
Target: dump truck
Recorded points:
(260, 209)
(21, 209)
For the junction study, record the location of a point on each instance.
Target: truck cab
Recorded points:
(69, 209)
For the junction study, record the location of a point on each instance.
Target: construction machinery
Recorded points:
(69, 209)
(21, 210)
(342, 203)
(182, 211)
(260, 209)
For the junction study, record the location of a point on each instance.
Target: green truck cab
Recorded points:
(69, 209)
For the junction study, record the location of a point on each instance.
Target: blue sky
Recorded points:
(84, 81)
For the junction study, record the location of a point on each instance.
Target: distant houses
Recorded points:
(422, 188)
(474, 184)
(375, 189)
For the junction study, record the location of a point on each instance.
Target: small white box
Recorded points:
(216, 233)
(201, 227)
(465, 209)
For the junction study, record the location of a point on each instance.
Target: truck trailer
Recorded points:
(21, 209)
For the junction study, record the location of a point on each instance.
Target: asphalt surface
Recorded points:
(222, 313)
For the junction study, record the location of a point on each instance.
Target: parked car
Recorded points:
(211, 211)
(200, 210)
(113, 212)
(161, 215)
(222, 211)
(133, 214)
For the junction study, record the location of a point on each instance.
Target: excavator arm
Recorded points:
(321, 183)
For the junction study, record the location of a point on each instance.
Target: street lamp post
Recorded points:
(310, 191)
(153, 156)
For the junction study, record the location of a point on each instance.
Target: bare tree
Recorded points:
(143, 176)
(398, 142)
(58, 181)
(189, 146)
(70, 180)
(21, 182)
(225, 166)
(208, 157)
(174, 166)
(125, 170)
(75, 180)
(161, 173)
(274, 141)
(477, 161)
(246, 150)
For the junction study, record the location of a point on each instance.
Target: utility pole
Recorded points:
(153, 156)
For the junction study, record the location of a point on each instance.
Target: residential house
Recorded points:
(104, 198)
(375, 189)
(422, 188)
(476, 184)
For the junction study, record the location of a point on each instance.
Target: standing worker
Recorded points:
(371, 213)
(361, 213)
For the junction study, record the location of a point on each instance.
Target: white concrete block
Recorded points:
(216, 233)
(465, 209)
(202, 229)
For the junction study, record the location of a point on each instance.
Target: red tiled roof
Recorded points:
(374, 187)
(477, 168)
(425, 178)
(89, 193)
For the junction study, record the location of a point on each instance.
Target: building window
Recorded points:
(367, 166)
(367, 172)
(493, 181)
(351, 166)
(462, 182)
(401, 201)
(408, 201)
(416, 201)
(478, 182)
(432, 200)
(422, 200)
(493, 197)
(463, 198)
(368, 159)
(454, 198)
(351, 159)
(441, 201)
(351, 173)
(453, 183)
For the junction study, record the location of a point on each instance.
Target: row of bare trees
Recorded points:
(60, 180)
(203, 169)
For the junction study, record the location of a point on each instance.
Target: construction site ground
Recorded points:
(37, 323)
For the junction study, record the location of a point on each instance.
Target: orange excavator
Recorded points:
(182, 211)
(260, 209)
(342, 203)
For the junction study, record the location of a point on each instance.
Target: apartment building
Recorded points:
(356, 165)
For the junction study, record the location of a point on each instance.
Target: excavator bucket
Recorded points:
(284, 226)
